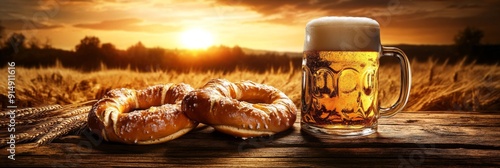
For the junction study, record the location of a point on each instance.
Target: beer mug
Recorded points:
(340, 76)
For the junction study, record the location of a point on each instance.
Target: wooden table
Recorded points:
(409, 139)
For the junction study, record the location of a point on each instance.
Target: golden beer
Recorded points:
(340, 94)
(340, 76)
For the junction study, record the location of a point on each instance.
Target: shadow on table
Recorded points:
(203, 141)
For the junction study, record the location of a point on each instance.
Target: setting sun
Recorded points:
(196, 38)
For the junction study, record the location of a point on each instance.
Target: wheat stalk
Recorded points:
(24, 111)
(48, 128)
(24, 121)
(65, 109)
(77, 111)
(68, 125)
(40, 129)
(32, 111)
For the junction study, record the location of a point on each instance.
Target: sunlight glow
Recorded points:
(196, 38)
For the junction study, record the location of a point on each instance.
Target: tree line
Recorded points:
(90, 54)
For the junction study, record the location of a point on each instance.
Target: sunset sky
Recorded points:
(258, 24)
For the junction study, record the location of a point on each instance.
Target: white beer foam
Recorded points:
(342, 34)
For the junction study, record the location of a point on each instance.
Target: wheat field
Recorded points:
(435, 86)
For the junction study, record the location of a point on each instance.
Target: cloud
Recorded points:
(298, 12)
(26, 24)
(271, 10)
(266, 7)
(437, 17)
(128, 24)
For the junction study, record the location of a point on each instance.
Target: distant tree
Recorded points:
(47, 44)
(88, 43)
(108, 46)
(238, 51)
(12, 46)
(88, 53)
(155, 58)
(467, 40)
(111, 55)
(34, 43)
(138, 55)
(15, 42)
(137, 49)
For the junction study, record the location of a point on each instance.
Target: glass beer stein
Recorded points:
(340, 76)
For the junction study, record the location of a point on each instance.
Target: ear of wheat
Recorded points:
(47, 123)
(32, 111)
(63, 128)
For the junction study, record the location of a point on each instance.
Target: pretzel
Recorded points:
(149, 116)
(244, 109)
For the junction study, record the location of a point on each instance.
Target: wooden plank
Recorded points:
(407, 139)
(263, 157)
(63, 149)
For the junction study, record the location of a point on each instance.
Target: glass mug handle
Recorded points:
(404, 92)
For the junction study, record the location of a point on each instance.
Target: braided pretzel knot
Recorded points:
(118, 116)
(244, 109)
